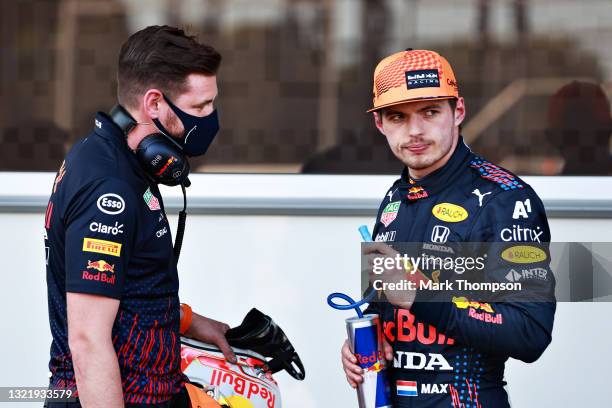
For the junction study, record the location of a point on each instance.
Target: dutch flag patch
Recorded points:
(406, 388)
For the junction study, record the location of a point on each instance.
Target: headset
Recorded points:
(164, 162)
(161, 157)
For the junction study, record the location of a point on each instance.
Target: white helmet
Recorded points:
(261, 349)
(243, 384)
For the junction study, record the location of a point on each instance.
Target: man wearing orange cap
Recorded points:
(452, 353)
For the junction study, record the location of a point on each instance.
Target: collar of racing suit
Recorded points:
(107, 129)
(412, 189)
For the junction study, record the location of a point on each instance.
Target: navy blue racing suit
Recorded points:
(107, 234)
(452, 353)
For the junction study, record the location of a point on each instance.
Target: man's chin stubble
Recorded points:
(419, 165)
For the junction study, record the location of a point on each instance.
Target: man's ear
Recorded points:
(378, 120)
(459, 111)
(151, 103)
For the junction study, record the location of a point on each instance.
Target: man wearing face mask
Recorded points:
(112, 277)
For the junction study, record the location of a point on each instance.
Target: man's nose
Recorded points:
(414, 126)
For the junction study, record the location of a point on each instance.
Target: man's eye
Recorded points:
(202, 106)
(395, 118)
(431, 113)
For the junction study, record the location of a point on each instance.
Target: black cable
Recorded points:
(180, 229)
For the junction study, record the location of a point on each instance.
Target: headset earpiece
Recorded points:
(164, 161)
(160, 156)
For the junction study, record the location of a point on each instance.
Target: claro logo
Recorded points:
(111, 204)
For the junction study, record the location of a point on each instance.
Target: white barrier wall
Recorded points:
(286, 265)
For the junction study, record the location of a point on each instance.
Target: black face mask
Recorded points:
(199, 131)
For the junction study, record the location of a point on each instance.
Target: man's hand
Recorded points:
(354, 373)
(399, 297)
(212, 332)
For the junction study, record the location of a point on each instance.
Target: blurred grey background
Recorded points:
(296, 76)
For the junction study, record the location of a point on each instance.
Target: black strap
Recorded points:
(123, 119)
(180, 229)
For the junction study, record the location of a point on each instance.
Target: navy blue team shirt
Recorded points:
(453, 353)
(107, 234)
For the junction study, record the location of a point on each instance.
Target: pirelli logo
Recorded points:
(101, 246)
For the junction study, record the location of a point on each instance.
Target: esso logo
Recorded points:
(111, 204)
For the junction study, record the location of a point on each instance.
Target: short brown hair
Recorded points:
(161, 57)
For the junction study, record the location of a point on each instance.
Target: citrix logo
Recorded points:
(518, 233)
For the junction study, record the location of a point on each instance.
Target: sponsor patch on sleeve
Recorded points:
(100, 271)
(110, 203)
(101, 246)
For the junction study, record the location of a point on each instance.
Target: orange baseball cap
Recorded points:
(413, 75)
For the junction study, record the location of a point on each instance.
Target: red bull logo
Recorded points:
(486, 315)
(101, 266)
(108, 277)
(99, 277)
(369, 360)
(377, 367)
(243, 386)
(367, 350)
(463, 303)
(406, 329)
(414, 193)
(165, 166)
